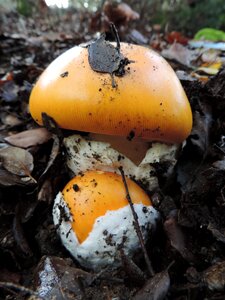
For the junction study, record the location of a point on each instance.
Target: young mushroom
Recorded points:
(94, 218)
(135, 120)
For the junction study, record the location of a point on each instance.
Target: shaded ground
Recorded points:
(187, 251)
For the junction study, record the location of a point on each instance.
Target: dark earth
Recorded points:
(187, 251)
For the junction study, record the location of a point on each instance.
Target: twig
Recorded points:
(116, 35)
(20, 288)
(137, 226)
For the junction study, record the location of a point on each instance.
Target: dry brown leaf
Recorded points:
(177, 237)
(17, 161)
(29, 138)
(10, 120)
(180, 54)
(8, 179)
(19, 235)
(53, 155)
(155, 288)
(121, 12)
(46, 193)
(219, 234)
(56, 279)
(214, 276)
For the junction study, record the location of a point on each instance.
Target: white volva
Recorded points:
(109, 233)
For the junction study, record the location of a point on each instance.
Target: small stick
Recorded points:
(137, 226)
(116, 35)
(20, 288)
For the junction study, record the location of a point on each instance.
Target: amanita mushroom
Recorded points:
(94, 218)
(146, 104)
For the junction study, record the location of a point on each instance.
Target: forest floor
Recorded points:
(187, 250)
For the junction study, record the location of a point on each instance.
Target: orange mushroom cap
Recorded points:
(148, 102)
(93, 194)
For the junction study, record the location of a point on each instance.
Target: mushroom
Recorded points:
(148, 101)
(135, 120)
(146, 112)
(94, 218)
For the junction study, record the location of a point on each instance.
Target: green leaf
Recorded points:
(210, 34)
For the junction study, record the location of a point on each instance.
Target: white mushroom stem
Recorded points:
(86, 154)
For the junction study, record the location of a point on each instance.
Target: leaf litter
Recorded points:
(33, 170)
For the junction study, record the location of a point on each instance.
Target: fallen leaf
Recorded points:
(17, 161)
(210, 34)
(207, 45)
(19, 235)
(29, 138)
(175, 36)
(180, 54)
(137, 37)
(209, 69)
(218, 234)
(54, 153)
(214, 276)
(132, 271)
(176, 236)
(10, 91)
(45, 193)
(155, 288)
(184, 76)
(9, 179)
(56, 279)
(11, 120)
(211, 56)
(119, 13)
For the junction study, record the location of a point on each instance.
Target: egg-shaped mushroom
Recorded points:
(94, 218)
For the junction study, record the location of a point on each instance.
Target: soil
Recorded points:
(187, 250)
